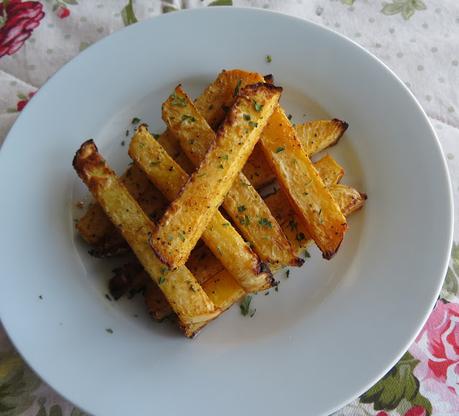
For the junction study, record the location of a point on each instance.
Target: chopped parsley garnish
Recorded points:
(135, 120)
(226, 224)
(253, 124)
(245, 220)
(181, 235)
(268, 59)
(220, 166)
(164, 270)
(306, 254)
(178, 101)
(287, 273)
(264, 222)
(300, 236)
(257, 106)
(224, 157)
(280, 149)
(156, 136)
(245, 306)
(289, 116)
(238, 86)
(109, 330)
(241, 208)
(155, 163)
(246, 117)
(189, 118)
(161, 280)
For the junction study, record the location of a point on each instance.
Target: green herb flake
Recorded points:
(245, 220)
(300, 236)
(156, 136)
(238, 86)
(189, 118)
(287, 273)
(181, 236)
(289, 116)
(306, 254)
(241, 208)
(253, 124)
(220, 166)
(226, 224)
(109, 330)
(268, 59)
(135, 120)
(155, 163)
(292, 224)
(257, 106)
(245, 306)
(163, 270)
(264, 222)
(161, 280)
(178, 101)
(224, 157)
(246, 117)
(280, 149)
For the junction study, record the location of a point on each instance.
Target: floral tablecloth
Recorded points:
(418, 39)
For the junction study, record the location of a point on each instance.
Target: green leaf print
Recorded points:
(77, 412)
(128, 15)
(221, 3)
(398, 384)
(450, 288)
(17, 383)
(406, 8)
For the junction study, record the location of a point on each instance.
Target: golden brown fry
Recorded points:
(219, 96)
(315, 136)
(220, 236)
(302, 184)
(243, 203)
(96, 228)
(329, 170)
(189, 215)
(183, 292)
(224, 291)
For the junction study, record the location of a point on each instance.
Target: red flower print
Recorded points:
(381, 414)
(62, 12)
(17, 21)
(416, 411)
(23, 101)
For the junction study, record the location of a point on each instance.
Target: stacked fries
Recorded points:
(189, 206)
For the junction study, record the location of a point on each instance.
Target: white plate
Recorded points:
(331, 330)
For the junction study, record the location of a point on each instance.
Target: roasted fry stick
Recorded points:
(183, 292)
(302, 184)
(220, 236)
(189, 215)
(243, 203)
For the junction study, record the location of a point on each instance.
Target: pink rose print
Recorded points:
(17, 21)
(437, 347)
